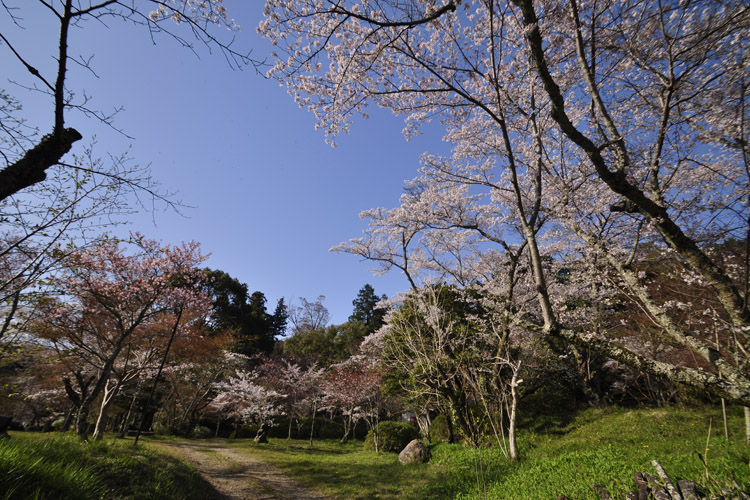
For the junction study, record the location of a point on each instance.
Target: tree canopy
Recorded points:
(244, 316)
(584, 135)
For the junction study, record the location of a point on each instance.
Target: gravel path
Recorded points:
(238, 476)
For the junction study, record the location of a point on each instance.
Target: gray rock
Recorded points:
(414, 453)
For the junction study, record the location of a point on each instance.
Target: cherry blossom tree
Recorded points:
(591, 134)
(228, 364)
(247, 401)
(298, 383)
(353, 388)
(109, 295)
(60, 213)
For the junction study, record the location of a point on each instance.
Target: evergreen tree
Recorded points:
(365, 311)
(279, 318)
(243, 315)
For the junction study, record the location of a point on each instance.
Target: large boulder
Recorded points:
(414, 453)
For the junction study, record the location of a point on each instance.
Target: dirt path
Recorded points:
(236, 475)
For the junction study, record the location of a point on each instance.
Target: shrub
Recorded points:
(245, 432)
(160, 428)
(201, 432)
(393, 436)
(58, 423)
(439, 430)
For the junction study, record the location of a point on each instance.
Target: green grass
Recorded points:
(347, 471)
(597, 446)
(559, 457)
(606, 447)
(54, 466)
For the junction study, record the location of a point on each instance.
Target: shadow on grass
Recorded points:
(365, 481)
(348, 472)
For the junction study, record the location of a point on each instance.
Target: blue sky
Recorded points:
(270, 196)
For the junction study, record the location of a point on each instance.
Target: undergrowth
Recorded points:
(605, 447)
(55, 466)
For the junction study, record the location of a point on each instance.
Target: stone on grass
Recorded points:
(414, 453)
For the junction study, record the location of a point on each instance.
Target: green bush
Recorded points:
(393, 436)
(439, 430)
(245, 432)
(58, 423)
(201, 432)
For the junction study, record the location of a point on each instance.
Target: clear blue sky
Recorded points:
(270, 196)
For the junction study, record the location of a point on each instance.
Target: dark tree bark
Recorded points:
(32, 168)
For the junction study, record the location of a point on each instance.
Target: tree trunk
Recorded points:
(101, 421)
(747, 425)
(424, 423)
(451, 432)
(123, 427)
(262, 435)
(512, 447)
(347, 428)
(158, 374)
(312, 426)
(376, 437)
(82, 424)
(68, 418)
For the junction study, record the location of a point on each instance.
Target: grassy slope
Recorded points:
(54, 466)
(604, 447)
(607, 447)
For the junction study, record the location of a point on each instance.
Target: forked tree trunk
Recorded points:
(347, 427)
(103, 418)
(424, 422)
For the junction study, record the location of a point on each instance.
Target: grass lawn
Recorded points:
(348, 472)
(558, 458)
(59, 466)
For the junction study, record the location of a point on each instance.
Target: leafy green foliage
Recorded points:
(328, 345)
(365, 311)
(439, 432)
(244, 315)
(392, 436)
(201, 432)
